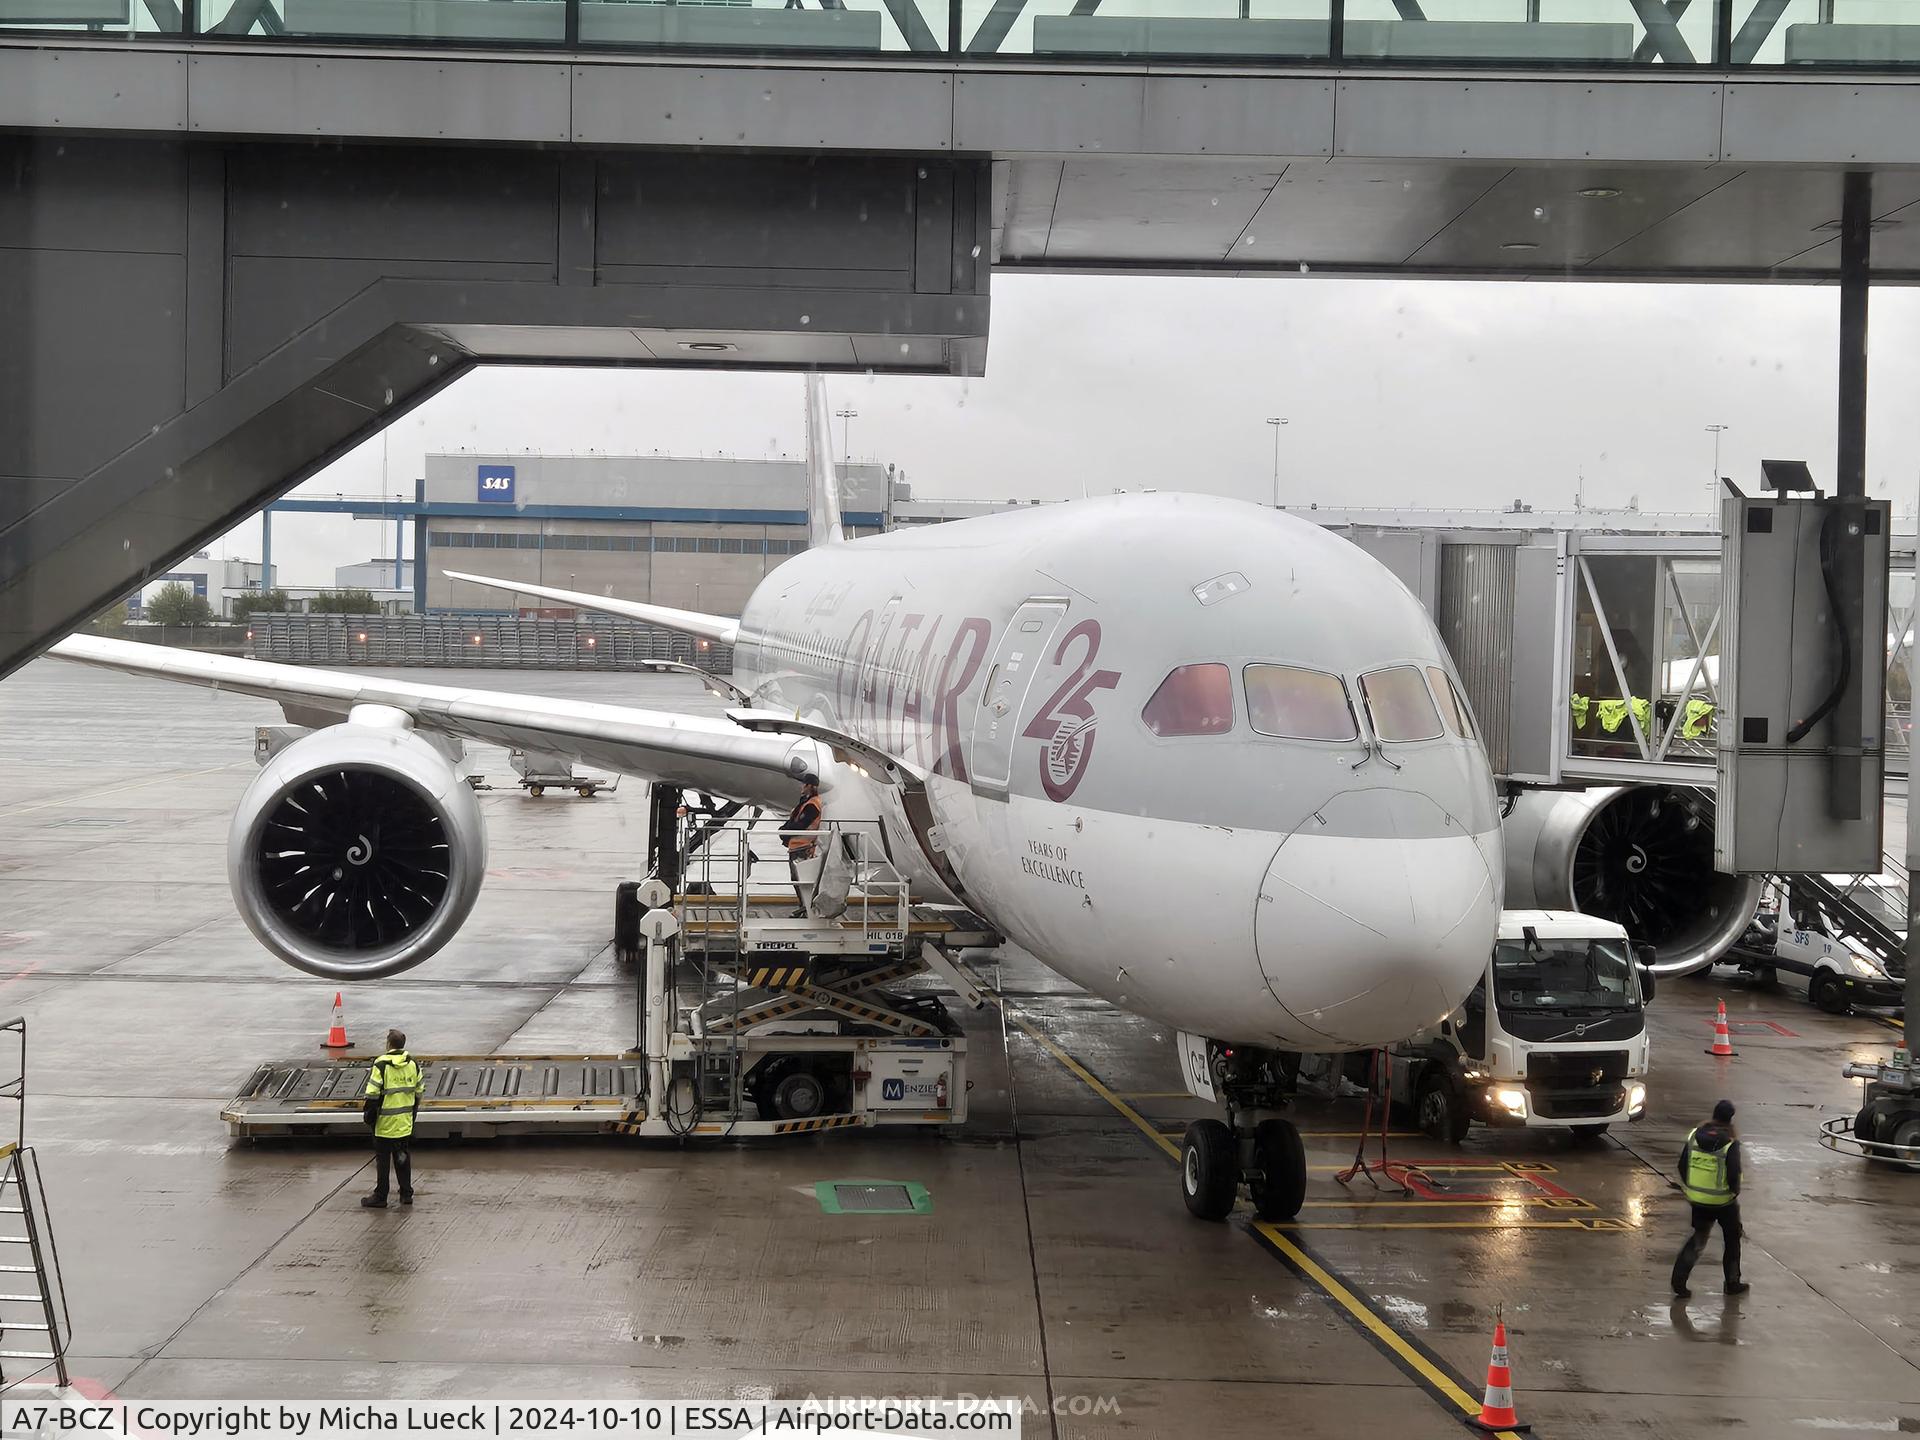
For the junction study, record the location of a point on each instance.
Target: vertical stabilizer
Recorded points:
(823, 484)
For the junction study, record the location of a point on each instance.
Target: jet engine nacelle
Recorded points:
(1641, 855)
(357, 852)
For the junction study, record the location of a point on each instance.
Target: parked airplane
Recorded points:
(1198, 756)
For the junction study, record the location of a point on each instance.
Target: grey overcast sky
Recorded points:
(1397, 393)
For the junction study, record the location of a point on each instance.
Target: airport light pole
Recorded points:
(849, 416)
(1713, 484)
(1277, 422)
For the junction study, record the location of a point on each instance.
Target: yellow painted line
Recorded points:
(1434, 1225)
(1092, 1082)
(1442, 1382)
(1438, 1379)
(78, 800)
(1485, 1204)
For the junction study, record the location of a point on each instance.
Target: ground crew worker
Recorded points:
(1710, 1179)
(393, 1100)
(802, 833)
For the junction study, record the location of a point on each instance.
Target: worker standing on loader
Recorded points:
(801, 834)
(1710, 1179)
(393, 1101)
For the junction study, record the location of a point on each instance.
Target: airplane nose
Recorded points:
(1377, 916)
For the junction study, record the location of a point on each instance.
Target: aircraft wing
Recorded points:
(689, 622)
(701, 753)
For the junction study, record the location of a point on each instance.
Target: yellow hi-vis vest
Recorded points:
(1703, 1180)
(396, 1080)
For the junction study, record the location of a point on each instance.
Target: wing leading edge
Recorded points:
(705, 754)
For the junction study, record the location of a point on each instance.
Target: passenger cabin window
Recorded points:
(1297, 704)
(1453, 709)
(1398, 705)
(1193, 700)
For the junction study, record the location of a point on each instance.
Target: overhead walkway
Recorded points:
(214, 309)
(1723, 33)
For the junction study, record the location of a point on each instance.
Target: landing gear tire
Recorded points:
(1441, 1113)
(1830, 994)
(798, 1095)
(1588, 1134)
(1282, 1161)
(1209, 1169)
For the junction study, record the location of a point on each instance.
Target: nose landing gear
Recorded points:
(1254, 1145)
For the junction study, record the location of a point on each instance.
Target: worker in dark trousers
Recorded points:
(802, 837)
(392, 1103)
(1710, 1179)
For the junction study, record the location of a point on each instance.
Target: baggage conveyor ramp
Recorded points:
(462, 1096)
(913, 1081)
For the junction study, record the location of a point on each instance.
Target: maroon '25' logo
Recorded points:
(1066, 722)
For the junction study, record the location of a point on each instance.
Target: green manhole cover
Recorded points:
(873, 1197)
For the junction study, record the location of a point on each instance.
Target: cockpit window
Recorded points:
(1398, 704)
(1453, 709)
(1298, 704)
(1193, 700)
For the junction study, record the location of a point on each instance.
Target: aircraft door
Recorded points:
(1022, 651)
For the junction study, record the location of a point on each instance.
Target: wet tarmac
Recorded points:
(1057, 1262)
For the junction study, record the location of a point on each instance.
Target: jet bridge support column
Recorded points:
(1850, 485)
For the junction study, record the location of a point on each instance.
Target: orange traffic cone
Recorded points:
(337, 1036)
(1496, 1409)
(1722, 1038)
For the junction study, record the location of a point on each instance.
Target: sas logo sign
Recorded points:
(496, 484)
(893, 1089)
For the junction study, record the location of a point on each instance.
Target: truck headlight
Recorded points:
(1636, 1099)
(1514, 1102)
(1865, 967)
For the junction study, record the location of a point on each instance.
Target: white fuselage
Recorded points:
(1306, 893)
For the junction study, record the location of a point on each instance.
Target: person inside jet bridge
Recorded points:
(393, 1100)
(1710, 1179)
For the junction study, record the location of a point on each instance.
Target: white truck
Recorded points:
(1798, 940)
(1554, 1036)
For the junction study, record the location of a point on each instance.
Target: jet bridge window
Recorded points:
(1398, 705)
(1296, 704)
(1193, 700)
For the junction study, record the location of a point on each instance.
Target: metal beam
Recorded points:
(993, 30)
(1753, 34)
(1659, 20)
(913, 25)
(1849, 730)
(1647, 50)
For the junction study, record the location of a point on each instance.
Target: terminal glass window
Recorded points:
(1398, 705)
(1297, 704)
(1564, 975)
(1193, 700)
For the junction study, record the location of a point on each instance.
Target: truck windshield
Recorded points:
(1564, 975)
